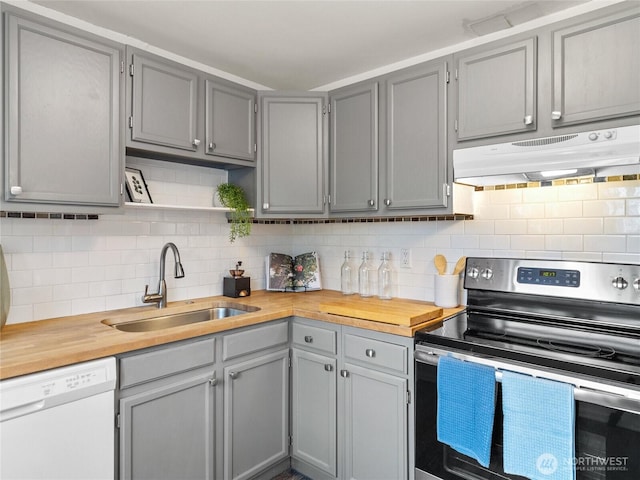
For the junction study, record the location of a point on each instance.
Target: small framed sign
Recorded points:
(136, 186)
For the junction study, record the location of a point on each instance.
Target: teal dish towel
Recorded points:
(466, 407)
(539, 418)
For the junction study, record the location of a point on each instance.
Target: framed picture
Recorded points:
(136, 186)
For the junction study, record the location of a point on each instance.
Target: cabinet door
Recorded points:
(63, 117)
(256, 414)
(168, 432)
(293, 164)
(354, 149)
(497, 90)
(230, 121)
(375, 416)
(596, 70)
(314, 410)
(417, 138)
(164, 104)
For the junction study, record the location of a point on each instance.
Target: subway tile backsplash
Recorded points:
(61, 267)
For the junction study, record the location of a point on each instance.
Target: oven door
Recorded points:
(607, 426)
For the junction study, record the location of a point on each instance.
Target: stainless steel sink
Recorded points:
(177, 319)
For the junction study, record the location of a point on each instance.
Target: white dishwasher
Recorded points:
(59, 424)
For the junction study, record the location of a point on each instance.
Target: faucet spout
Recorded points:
(160, 297)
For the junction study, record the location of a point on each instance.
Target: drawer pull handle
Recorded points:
(328, 367)
(308, 339)
(344, 373)
(370, 352)
(233, 375)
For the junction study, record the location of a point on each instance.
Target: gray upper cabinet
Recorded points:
(63, 103)
(164, 103)
(293, 165)
(416, 133)
(354, 149)
(596, 69)
(230, 121)
(497, 89)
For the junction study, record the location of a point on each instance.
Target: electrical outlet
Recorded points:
(405, 258)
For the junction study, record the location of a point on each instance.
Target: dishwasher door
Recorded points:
(59, 424)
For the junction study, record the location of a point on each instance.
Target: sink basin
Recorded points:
(177, 319)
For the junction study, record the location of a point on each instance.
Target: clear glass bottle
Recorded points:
(385, 277)
(347, 275)
(367, 276)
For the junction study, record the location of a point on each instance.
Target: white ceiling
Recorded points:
(299, 44)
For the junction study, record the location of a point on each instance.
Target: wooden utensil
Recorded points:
(459, 265)
(441, 264)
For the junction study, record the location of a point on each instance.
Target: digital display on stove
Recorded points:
(556, 278)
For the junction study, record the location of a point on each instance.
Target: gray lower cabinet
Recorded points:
(293, 168)
(256, 418)
(63, 102)
(359, 412)
(164, 103)
(375, 424)
(416, 138)
(256, 399)
(596, 69)
(354, 149)
(497, 91)
(230, 121)
(167, 404)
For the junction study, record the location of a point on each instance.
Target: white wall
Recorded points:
(65, 267)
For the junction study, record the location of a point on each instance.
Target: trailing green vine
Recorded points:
(233, 197)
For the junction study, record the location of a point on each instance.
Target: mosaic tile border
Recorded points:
(560, 182)
(408, 218)
(49, 216)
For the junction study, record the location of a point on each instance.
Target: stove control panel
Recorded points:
(606, 282)
(549, 276)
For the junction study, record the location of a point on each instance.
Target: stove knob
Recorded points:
(619, 283)
(473, 272)
(636, 284)
(487, 273)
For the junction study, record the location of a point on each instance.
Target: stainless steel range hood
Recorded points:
(612, 151)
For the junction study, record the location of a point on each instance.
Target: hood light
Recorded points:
(555, 174)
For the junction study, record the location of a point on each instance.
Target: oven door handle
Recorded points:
(589, 391)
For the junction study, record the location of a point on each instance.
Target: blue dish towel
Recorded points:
(539, 418)
(466, 407)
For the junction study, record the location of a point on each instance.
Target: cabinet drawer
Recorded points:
(376, 353)
(165, 361)
(315, 338)
(254, 340)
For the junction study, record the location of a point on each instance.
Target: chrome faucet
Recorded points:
(160, 297)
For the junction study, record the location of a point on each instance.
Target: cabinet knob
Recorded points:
(344, 373)
(372, 203)
(308, 339)
(556, 115)
(195, 142)
(370, 352)
(213, 382)
(212, 146)
(387, 201)
(265, 206)
(528, 119)
(16, 190)
(233, 375)
(328, 367)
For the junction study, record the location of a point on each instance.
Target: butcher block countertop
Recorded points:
(44, 344)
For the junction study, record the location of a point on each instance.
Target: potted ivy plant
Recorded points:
(233, 197)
